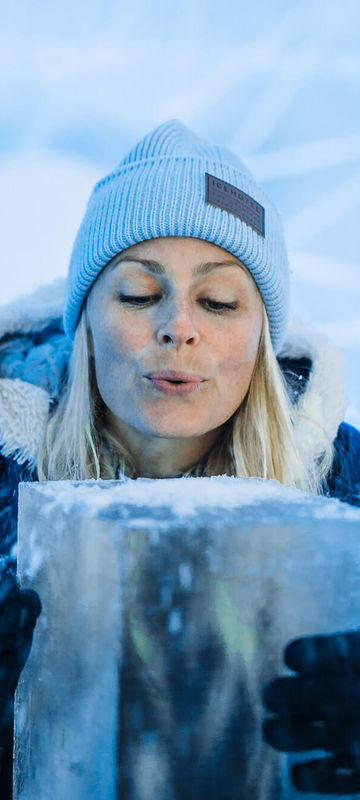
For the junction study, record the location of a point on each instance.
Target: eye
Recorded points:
(139, 300)
(217, 307)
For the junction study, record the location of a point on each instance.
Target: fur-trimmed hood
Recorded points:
(34, 353)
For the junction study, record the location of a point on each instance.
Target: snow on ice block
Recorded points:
(166, 608)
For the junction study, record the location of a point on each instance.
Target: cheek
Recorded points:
(120, 338)
(238, 350)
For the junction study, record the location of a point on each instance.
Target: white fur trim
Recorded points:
(23, 414)
(324, 399)
(35, 311)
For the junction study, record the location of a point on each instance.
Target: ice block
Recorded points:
(166, 608)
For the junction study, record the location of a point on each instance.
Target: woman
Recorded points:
(181, 362)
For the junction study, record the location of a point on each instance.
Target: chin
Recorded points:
(175, 431)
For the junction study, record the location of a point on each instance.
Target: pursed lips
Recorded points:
(176, 376)
(175, 382)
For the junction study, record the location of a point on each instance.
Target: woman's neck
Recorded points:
(160, 457)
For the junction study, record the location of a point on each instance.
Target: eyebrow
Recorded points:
(158, 269)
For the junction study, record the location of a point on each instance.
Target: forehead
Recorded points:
(171, 246)
(168, 254)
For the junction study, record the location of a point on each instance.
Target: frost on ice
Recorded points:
(166, 608)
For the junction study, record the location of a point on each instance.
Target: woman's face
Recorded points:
(175, 326)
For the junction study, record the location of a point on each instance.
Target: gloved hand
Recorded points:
(319, 708)
(19, 610)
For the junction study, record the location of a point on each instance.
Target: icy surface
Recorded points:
(158, 501)
(167, 605)
(187, 495)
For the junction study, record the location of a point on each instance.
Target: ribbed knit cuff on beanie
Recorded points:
(175, 184)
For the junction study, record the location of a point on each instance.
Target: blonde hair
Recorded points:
(260, 440)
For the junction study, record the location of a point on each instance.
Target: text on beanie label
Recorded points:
(230, 198)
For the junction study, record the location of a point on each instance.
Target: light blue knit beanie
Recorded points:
(175, 184)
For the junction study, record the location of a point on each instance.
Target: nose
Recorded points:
(177, 326)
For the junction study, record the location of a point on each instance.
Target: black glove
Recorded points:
(319, 709)
(19, 610)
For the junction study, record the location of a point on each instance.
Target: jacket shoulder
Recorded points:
(343, 480)
(33, 345)
(39, 358)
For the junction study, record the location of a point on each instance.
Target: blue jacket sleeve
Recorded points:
(343, 480)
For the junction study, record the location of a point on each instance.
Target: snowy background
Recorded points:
(278, 81)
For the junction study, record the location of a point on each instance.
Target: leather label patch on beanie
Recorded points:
(230, 198)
